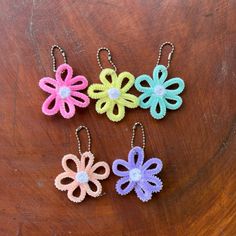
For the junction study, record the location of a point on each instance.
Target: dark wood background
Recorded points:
(196, 143)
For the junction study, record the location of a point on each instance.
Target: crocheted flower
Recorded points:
(113, 94)
(64, 95)
(81, 179)
(158, 97)
(138, 175)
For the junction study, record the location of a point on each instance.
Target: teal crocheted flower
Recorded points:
(158, 95)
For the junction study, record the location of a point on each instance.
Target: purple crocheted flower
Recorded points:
(138, 175)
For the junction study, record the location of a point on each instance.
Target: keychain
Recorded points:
(85, 173)
(112, 95)
(138, 175)
(64, 93)
(158, 96)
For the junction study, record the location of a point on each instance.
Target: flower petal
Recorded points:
(103, 77)
(67, 109)
(121, 77)
(158, 102)
(116, 117)
(142, 193)
(128, 100)
(73, 198)
(87, 166)
(144, 78)
(48, 85)
(127, 189)
(160, 79)
(64, 68)
(170, 105)
(97, 165)
(145, 100)
(173, 81)
(155, 170)
(123, 163)
(78, 83)
(73, 158)
(79, 99)
(97, 91)
(102, 105)
(131, 157)
(98, 190)
(152, 184)
(47, 104)
(58, 181)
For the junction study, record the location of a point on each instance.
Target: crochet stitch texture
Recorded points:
(157, 96)
(139, 175)
(84, 174)
(64, 93)
(113, 94)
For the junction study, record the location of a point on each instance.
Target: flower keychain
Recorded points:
(138, 175)
(158, 96)
(64, 93)
(114, 94)
(84, 174)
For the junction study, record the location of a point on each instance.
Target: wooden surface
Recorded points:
(196, 143)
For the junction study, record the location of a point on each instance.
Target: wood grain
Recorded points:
(196, 143)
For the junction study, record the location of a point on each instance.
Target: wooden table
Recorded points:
(196, 143)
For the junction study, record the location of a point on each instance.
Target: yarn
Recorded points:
(113, 94)
(157, 96)
(64, 93)
(138, 174)
(84, 174)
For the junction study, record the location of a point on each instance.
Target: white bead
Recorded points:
(64, 92)
(82, 177)
(159, 90)
(113, 93)
(135, 174)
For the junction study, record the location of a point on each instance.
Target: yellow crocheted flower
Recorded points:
(113, 94)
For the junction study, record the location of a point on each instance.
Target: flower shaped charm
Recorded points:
(82, 177)
(138, 175)
(158, 97)
(64, 95)
(112, 94)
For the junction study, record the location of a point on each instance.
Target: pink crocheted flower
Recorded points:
(84, 174)
(64, 95)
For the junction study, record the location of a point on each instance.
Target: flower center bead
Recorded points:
(135, 174)
(113, 93)
(82, 177)
(159, 90)
(64, 92)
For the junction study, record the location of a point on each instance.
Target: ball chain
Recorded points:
(53, 56)
(170, 54)
(78, 139)
(109, 57)
(133, 134)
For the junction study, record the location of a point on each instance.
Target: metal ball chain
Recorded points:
(53, 56)
(170, 54)
(109, 57)
(78, 139)
(133, 134)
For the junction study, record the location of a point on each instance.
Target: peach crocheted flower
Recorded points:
(84, 174)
